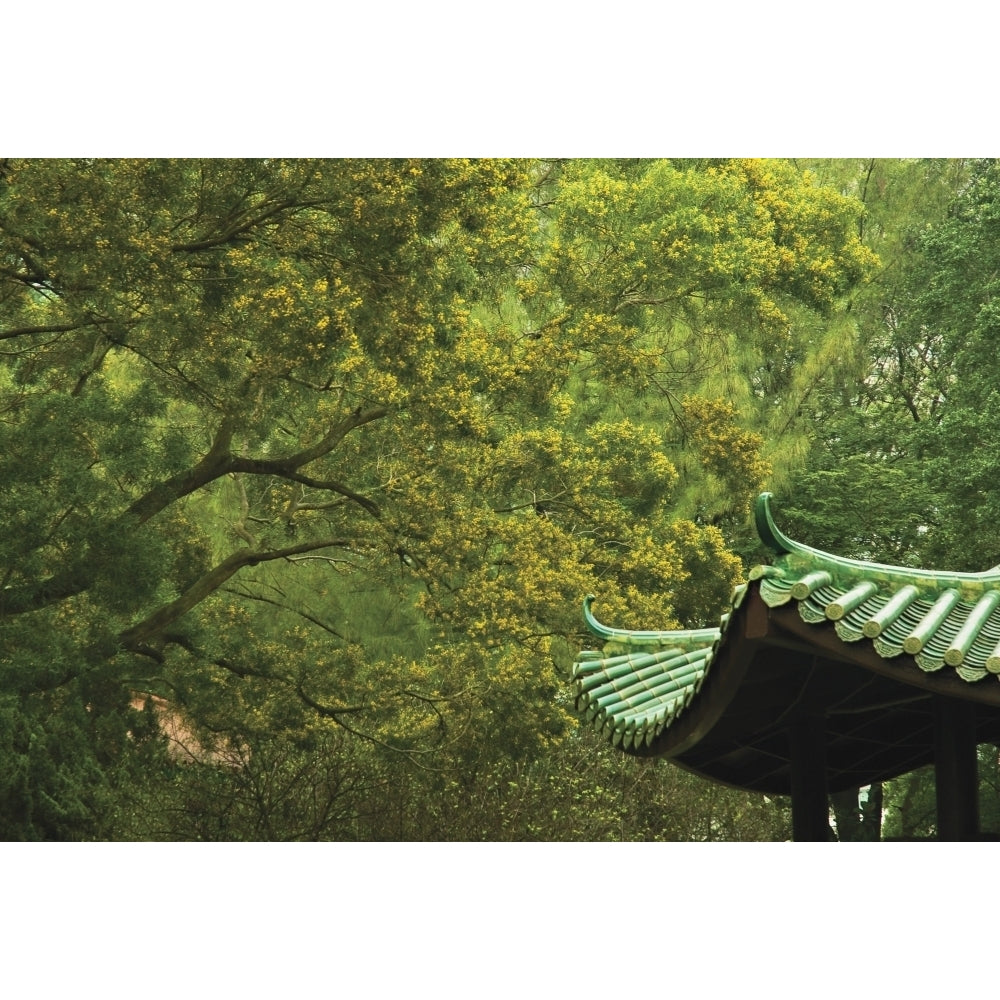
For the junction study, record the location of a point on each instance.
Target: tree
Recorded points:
(254, 410)
(710, 281)
(902, 469)
(865, 417)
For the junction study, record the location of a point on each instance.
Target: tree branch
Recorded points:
(216, 463)
(335, 435)
(29, 331)
(278, 604)
(141, 632)
(219, 461)
(211, 467)
(279, 468)
(243, 223)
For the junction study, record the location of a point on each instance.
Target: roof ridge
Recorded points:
(783, 546)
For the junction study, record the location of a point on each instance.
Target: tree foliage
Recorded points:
(901, 467)
(326, 453)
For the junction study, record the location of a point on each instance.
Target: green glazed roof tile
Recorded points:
(641, 681)
(942, 619)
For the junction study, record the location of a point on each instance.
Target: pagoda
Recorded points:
(825, 674)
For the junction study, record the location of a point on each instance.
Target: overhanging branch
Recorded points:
(31, 331)
(264, 467)
(143, 631)
(219, 461)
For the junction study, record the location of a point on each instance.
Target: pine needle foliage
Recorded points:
(326, 453)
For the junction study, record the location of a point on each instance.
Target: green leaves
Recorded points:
(235, 395)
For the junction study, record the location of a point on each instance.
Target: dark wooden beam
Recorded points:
(810, 805)
(956, 775)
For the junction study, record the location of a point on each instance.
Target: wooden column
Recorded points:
(956, 777)
(810, 805)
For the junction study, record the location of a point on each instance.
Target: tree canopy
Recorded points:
(326, 454)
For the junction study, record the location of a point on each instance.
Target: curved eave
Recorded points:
(729, 719)
(633, 689)
(876, 640)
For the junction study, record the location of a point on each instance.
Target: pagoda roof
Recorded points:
(862, 648)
